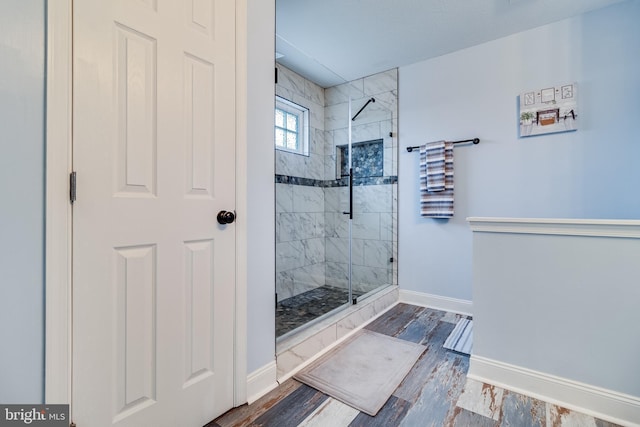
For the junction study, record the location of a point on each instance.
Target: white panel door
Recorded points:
(153, 271)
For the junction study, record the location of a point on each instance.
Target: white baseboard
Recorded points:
(453, 305)
(601, 403)
(261, 382)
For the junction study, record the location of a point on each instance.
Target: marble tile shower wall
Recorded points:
(296, 88)
(372, 237)
(300, 246)
(311, 230)
(374, 241)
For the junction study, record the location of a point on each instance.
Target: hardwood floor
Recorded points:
(436, 392)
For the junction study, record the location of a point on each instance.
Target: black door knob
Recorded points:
(226, 217)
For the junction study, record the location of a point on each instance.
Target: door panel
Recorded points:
(153, 271)
(199, 308)
(135, 79)
(135, 326)
(198, 95)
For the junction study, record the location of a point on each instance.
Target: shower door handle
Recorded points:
(350, 193)
(350, 211)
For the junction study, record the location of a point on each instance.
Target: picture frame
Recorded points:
(547, 95)
(567, 91)
(551, 109)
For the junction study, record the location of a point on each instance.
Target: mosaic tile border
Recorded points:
(342, 182)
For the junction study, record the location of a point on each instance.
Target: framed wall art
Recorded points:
(547, 110)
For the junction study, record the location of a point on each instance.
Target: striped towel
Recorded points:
(436, 179)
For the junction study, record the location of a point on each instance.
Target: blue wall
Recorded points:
(591, 173)
(259, 237)
(22, 95)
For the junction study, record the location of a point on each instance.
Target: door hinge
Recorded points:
(72, 187)
(276, 76)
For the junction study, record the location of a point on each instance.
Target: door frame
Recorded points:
(59, 215)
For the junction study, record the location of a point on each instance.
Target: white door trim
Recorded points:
(240, 344)
(58, 209)
(58, 284)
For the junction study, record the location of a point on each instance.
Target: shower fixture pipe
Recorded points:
(363, 107)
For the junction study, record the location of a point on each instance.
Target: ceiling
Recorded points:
(333, 41)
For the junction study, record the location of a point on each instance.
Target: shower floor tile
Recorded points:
(298, 310)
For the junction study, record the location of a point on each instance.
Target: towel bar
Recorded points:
(474, 140)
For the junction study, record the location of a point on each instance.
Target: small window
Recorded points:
(291, 127)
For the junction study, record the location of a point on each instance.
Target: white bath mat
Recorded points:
(363, 371)
(461, 338)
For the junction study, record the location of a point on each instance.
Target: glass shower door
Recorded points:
(374, 188)
(361, 219)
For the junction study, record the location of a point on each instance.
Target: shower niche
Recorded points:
(336, 235)
(367, 159)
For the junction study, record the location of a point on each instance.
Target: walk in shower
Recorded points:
(336, 195)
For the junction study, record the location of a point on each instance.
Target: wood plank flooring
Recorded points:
(436, 392)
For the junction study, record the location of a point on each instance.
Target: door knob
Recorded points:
(226, 217)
